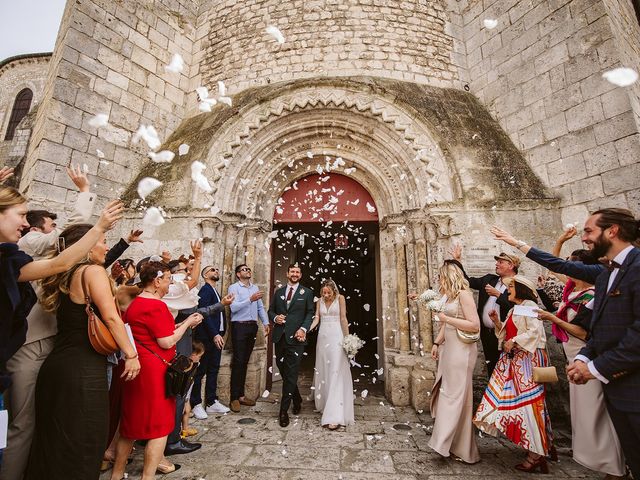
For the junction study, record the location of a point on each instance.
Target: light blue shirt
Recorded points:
(242, 308)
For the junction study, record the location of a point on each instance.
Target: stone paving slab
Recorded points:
(378, 447)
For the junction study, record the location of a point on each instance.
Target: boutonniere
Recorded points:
(614, 293)
(282, 297)
(302, 291)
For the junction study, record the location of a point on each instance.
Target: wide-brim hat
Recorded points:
(522, 281)
(514, 259)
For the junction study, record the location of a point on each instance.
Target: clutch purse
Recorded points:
(545, 375)
(467, 337)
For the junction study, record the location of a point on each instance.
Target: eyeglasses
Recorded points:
(245, 269)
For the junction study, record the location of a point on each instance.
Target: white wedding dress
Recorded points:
(333, 386)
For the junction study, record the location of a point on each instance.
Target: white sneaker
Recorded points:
(199, 412)
(217, 407)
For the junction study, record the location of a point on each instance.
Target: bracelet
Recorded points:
(131, 358)
(437, 344)
(520, 244)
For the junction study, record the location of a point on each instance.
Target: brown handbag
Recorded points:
(100, 336)
(545, 375)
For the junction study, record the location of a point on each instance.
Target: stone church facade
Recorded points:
(451, 127)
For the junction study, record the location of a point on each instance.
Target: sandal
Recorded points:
(188, 432)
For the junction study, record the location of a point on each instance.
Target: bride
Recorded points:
(333, 387)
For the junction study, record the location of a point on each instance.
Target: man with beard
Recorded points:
(291, 309)
(612, 354)
(210, 332)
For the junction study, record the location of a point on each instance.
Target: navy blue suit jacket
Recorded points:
(614, 345)
(210, 326)
(478, 283)
(587, 273)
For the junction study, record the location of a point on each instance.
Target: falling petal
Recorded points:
(265, 394)
(183, 149)
(153, 217)
(490, 23)
(275, 33)
(176, 65)
(165, 156)
(366, 307)
(99, 153)
(197, 176)
(147, 185)
(99, 121)
(222, 89)
(203, 93)
(204, 107)
(370, 208)
(622, 77)
(226, 100)
(149, 135)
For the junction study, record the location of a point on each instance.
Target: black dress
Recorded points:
(72, 404)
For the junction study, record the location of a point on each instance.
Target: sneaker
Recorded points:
(217, 407)
(199, 413)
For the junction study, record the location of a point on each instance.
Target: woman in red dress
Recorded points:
(147, 413)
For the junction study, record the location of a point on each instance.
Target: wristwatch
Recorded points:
(520, 244)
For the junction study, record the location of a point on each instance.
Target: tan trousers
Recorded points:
(20, 401)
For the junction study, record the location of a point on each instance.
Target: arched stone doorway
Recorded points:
(328, 224)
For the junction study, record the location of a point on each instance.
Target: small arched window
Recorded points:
(20, 109)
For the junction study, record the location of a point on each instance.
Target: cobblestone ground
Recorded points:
(385, 443)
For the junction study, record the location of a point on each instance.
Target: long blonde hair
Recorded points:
(331, 285)
(9, 197)
(452, 280)
(54, 285)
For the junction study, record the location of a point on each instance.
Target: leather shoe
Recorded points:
(235, 406)
(284, 419)
(181, 447)
(247, 402)
(297, 407)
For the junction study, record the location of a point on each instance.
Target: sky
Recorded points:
(29, 26)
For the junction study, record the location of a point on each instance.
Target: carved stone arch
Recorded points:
(395, 155)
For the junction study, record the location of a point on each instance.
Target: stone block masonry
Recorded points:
(539, 72)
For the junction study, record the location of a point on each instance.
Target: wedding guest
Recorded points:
(452, 393)
(246, 309)
(492, 295)
(197, 351)
(595, 443)
(72, 402)
(332, 382)
(147, 412)
(211, 333)
(612, 354)
(513, 403)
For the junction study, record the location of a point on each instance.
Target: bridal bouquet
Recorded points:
(431, 299)
(351, 344)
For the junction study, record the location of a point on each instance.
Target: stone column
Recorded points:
(401, 294)
(423, 283)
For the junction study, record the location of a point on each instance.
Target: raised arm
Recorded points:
(191, 321)
(196, 248)
(76, 252)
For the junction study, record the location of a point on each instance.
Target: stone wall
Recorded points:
(539, 72)
(28, 71)
(109, 58)
(405, 40)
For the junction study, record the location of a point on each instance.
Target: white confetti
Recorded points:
(275, 33)
(364, 393)
(490, 23)
(370, 208)
(149, 134)
(569, 226)
(176, 65)
(349, 171)
(203, 93)
(99, 153)
(147, 185)
(226, 101)
(366, 307)
(196, 175)
(622, 77)
(85, 168)
(153, 217)
(265, 394)
(222, 89)
(204, 107)
(183, 149)
(99, 121)
(165, 156)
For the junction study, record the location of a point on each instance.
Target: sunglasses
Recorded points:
(245, 269)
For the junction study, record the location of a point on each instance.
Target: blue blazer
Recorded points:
(210, 326)
(614, 345)
(587, 273)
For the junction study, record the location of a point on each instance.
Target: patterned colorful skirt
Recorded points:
(514, 404)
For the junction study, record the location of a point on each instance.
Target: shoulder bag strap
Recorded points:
(154, 353)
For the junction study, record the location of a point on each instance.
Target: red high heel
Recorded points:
(533, 465)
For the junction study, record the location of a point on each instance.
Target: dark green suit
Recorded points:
(288, 350)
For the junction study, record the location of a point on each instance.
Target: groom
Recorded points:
(291, 310)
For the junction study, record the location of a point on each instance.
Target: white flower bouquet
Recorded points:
(351, 344)
(432, 300)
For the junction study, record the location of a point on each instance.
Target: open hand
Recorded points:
(503, 235)
(567, 234)
(456, 251)
(116, 270)
(196, 248)
(166, 256)
(134, 236)
(5, 172)
(110, 215)
(78, 177)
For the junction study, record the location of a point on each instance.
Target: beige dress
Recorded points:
(595, 442)
(452, 395)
